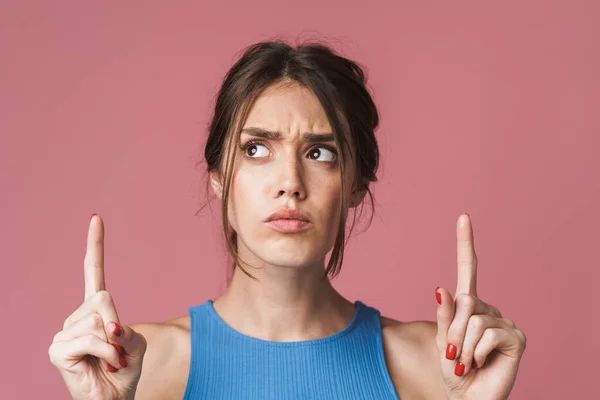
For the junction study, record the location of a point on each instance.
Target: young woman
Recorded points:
(291, 153)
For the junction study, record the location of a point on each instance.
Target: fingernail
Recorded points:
(122, 362)
(111, 369)
(92, 216)
(117, 329)
(438, 296)
(450, 351)
(474, 365)
(459, 369)
(119, 348)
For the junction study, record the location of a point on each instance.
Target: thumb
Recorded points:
(133, 343)
(445, 316)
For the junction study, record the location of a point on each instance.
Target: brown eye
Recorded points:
(253, 150)
(322, 154)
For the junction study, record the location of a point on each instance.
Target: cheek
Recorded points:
(331, 199)
(244, 198)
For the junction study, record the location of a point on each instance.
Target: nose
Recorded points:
(289, 180)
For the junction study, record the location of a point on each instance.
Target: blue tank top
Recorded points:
(226, 364)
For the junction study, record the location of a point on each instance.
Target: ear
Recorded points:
(215, 182)
(357, 197)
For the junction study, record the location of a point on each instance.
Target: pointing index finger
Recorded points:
(93, 264)
(466, 257)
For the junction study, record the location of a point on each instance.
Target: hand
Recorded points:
(473, 332)
(97, 357)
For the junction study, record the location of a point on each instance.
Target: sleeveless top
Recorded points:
(226, 364)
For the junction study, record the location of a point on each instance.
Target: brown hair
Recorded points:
(340, 86)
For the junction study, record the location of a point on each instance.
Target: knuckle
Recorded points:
(509, 322)
(466, 301)
(51, 353)
(476, 322)
(522, 337)
(55, 355)
(57, 337)
(143, 342)
(96, 321)
(493, 336)
(103, 298)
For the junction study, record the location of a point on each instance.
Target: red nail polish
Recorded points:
(459, 369)
(119, 348)
(474, 365)
(450, 351)
(122, 362)
(117, 329)
(111, 369)
(438, 296)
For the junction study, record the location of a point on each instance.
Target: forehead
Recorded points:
(289, 109)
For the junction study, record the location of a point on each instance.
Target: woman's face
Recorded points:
(296, 166)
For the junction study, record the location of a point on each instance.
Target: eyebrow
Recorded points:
(274, 135)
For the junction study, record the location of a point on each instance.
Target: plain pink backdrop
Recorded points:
(486, 108)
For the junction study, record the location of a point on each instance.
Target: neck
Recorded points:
(284, 304)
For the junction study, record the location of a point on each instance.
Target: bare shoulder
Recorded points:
(166, 362)
(412, 358)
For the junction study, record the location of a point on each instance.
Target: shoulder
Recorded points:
(412, 358)
(166, 363)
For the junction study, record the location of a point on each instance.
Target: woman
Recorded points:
(291, 152)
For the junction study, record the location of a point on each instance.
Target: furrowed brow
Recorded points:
(273, 135)
(262, 133)
(318, 137)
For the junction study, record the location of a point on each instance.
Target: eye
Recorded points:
(255, 150)
(322, 154)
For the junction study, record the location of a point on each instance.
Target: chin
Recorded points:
(289, 262)
(297, 250)
(290, 254)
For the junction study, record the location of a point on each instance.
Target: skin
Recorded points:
(289, 301)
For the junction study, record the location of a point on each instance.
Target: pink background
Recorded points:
(486, 108)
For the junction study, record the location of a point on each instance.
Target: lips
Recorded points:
(288, 213)
(288, 220)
